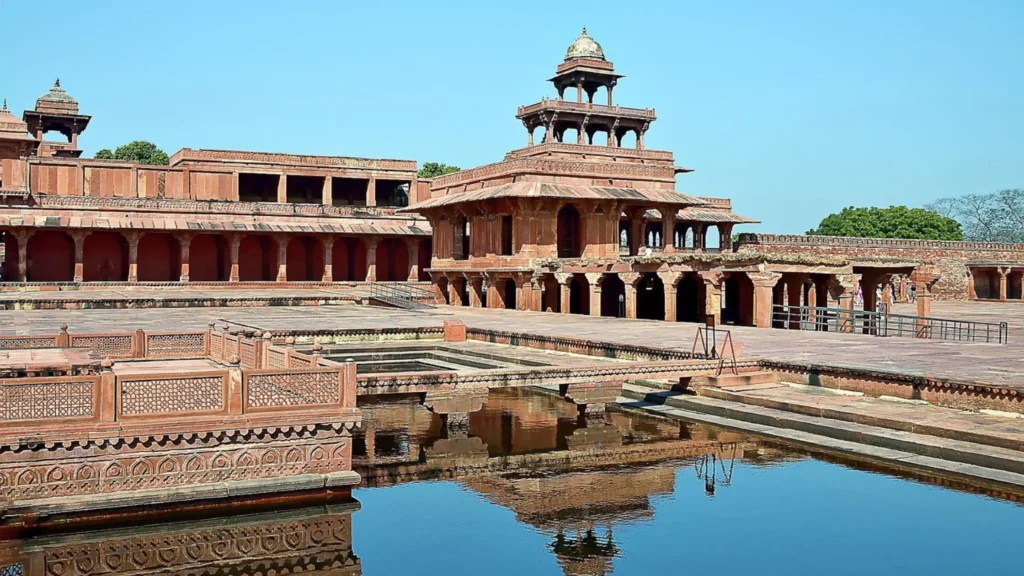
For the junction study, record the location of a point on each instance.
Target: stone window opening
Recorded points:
(569, 245)
(349, 191)
(258, 187)
(506, 235)
(304, 189)
(393, 193)
(461, 237)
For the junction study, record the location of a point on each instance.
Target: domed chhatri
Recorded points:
(57, 94)
(584, 47)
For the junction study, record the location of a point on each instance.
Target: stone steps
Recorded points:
(910, 461)
(958, 451)
(743, 379)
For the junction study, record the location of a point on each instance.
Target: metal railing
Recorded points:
(885, 324)
(401, 295)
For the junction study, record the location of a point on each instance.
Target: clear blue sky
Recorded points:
(793, 109)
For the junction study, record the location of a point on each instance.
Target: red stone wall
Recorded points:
(106, 258)
(204, 262)
(59, 263)
(158, 258)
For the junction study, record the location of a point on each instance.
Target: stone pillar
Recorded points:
(234, 243)
(594, 280)
(282, 188)
(764, 282)
(79, 239)
(454, 294)
(184, 242)
(23, 237)
(371, 192)
(668, 231)
(671, 282)
(371, 257)
(636, 235)
(327, 195)
(712, 293)
(812, 301)
(699, 241)
(630, 280)
(563, 289)
(328, 245)
(414, 259)
(282, 257)
(795, 290)
(475, 289)
(844, 288)
(924, 277)
(537, 294)
(972, 294)
(1003, 271)
(133, 256)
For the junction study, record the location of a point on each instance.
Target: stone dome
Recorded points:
(57, 95)
(10, 126)
(584, 47)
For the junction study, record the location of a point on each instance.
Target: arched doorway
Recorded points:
(159, 258)
(613, 296)
(50, 257)
(738, 300)
(105, 258)
(690, 300)
(305, 259)
(257, 259)
(569, 233)
(508, 291)
(206, 259)
(650, 297)
(579, 295)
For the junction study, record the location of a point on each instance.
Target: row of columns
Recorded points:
(1004, 282)
(235, 241)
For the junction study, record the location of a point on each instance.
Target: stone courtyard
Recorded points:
(993, 363)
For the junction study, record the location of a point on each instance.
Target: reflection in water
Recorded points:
(587, 487)
(315, 540)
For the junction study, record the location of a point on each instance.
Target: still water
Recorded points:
(528, 488)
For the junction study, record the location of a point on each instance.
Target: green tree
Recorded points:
(995, 217)
(891, 222)
(138, 151)
(434, 169)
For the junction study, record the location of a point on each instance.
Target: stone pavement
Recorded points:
(1002, 364)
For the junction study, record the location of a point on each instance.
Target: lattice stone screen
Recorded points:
(25, 342)
(176, 345)
(172, 394)
(292, 389)
(39, 400)
(107, 346)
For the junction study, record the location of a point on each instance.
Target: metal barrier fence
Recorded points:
(401, 295)
(883, 323)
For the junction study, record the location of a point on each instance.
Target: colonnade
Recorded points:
(40, 255)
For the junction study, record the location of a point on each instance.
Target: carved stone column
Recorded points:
(327, 194)
(371, 192)
(844, 289)
(763, 282)
(1003, 271)
(414, 259)
(671, 282)
(454, 292)
(327, 242)
(282, 189)
(79, 239)
(630, 280)
(924, 278)
(371, 257)
(699, 238)
(23, 236)
(795, 292)
(594, 281)
(536, 303)
(233, 244)
(475, 291)
(712, 292)
(282, 257)
(133, 256)
(185, 242)
(668, 228)
(563, 279)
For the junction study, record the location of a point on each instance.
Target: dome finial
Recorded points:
(584, 30)
(4, 109)
(57, 83)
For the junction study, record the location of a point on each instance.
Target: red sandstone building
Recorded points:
(566, 224)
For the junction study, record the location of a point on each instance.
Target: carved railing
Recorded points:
(172, 395)
(120, 345)
(59, 400)
(589, 149)
(186, 154)
(554, 166)
(585, 107)
(177, 344)
(208, 206)
(756, 238)
(272, 390)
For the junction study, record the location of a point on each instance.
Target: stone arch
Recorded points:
(629, 138)
(508, 293)
(579, 295)
(257, 259)
(569, 232)
(552, 297)
(105, 258)
(207, 259)
(691, 298)
(653, 234)
(392, 260)
(305, 259)
(650, 297)
(712, 237)
(738, 300)
(159, 258)
(681, 234)
(613, 296)
(50, 257)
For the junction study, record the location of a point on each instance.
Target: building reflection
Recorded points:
(313, 540)
(575, 479)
